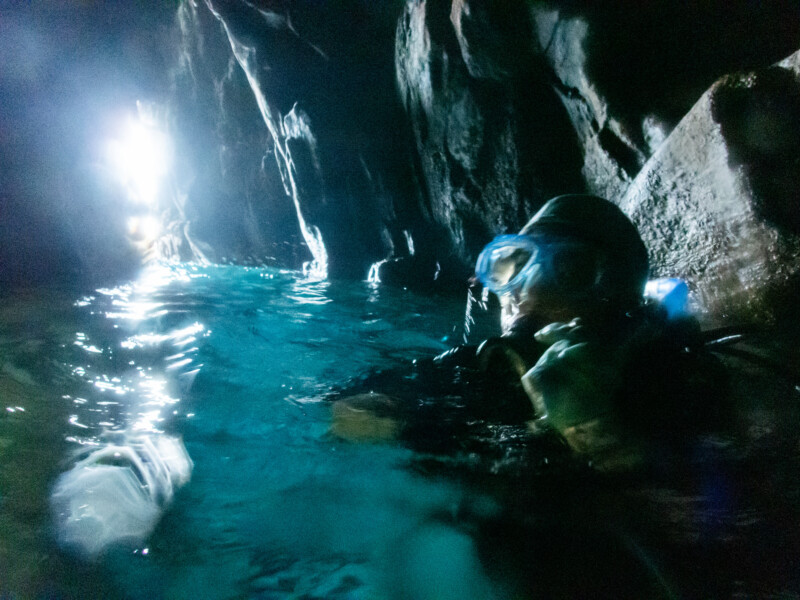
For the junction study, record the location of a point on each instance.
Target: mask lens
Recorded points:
(518, 261)
(504, 260)
(506, 263)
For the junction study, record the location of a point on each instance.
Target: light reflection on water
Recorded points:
(141, 359)
(234, 361)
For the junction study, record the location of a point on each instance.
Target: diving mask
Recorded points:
(508, 263)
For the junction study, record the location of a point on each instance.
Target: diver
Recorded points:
(584, 359)
(602, 426)
(592, 392)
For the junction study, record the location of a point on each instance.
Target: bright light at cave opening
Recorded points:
(145, 228)
(141, 157)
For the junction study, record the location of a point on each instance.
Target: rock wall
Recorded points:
(487, 126)
(323, 82)
(340, 135)
(504, 105)
(229, 203)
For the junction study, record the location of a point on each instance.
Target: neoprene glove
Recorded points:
(576, 378)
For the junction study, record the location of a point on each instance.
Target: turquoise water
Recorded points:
(233, 361)
(233, 364)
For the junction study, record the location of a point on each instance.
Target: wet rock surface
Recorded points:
(323, 82)
(413, 131)
(491, 110)
(487, 129)
(714, 204)
(230, 205)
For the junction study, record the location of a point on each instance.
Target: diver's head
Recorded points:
(579, 256)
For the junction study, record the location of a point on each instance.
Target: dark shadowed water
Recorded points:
(235, 362)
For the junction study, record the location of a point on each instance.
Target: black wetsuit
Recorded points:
(466, 401)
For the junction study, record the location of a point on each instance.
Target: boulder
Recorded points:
(628, 74)
(717, 203)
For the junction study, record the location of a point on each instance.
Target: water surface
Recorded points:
(235, 361)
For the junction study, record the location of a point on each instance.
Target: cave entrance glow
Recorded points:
(140, 156)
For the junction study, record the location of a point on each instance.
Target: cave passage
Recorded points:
(216, 214)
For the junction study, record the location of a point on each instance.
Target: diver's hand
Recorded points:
(575, 379)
